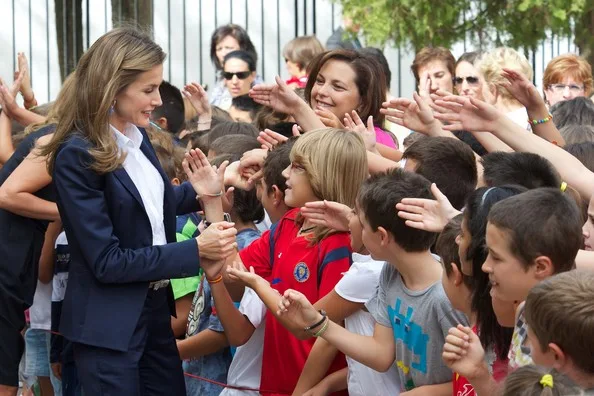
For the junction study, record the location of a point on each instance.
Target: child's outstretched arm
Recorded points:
(376, 352)
(475, 115)
(238, 328)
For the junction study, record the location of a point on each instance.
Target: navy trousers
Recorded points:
(151, 366)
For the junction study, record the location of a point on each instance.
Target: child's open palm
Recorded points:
(206, 179)
(522, 89)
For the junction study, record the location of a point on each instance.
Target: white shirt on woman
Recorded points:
(146, 179)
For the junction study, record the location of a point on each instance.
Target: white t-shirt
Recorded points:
(40, 312)
(246, 367)
(358, 285)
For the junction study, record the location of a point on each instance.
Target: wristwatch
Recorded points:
(226, 217)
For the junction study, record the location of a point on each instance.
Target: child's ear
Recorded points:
(278, 197)
(162, 122)
(456, 274)
(384, 236)
(543, 267)
(561, 359)
(175, 181)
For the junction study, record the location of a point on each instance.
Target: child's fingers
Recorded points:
(450, 357)
(451, 348)
(458, 332)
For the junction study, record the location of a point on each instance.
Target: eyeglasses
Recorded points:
(241, 75)
(573, 88)
(470, 80)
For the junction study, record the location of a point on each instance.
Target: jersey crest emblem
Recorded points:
(301, 272)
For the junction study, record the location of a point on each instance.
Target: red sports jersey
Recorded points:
(289, 262)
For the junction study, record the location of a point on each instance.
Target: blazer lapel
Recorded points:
(124, 178)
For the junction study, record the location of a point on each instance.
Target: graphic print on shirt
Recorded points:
(197, 307)
(411, 335)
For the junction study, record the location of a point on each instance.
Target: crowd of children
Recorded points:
(456, 261)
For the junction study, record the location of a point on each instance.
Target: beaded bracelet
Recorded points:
(538, 122)
(323, 329)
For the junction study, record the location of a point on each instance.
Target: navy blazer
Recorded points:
(110, 239)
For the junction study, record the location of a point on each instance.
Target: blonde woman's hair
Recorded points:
(531, 381)
(335, 161)
(491, 67)
(112, 63)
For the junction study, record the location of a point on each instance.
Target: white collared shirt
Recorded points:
(146, 179)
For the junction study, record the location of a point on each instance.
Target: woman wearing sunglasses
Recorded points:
(468, 81)
(239, 72)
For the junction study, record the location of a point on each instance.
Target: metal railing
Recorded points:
(183, 28)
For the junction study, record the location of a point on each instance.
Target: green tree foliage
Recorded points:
(418, 23)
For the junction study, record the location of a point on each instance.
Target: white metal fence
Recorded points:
(183, 28)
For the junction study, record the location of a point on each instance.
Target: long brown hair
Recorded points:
(112, 63)
(369, 78)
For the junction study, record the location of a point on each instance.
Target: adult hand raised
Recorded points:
(277, 96)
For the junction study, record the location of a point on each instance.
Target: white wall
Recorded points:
(183, 29)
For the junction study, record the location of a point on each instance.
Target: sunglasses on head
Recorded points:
(241, 75)
(470, 80)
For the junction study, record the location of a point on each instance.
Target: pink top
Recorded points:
(384, 138)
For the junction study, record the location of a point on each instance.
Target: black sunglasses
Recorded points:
(241, 75)
(471, 80)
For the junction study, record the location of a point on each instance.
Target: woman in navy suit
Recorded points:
(118, 211)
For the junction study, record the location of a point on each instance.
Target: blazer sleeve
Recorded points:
(185, 199)
(84, 210)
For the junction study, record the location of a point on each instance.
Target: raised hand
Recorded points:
(354, 123)
(217, 242)
(25, 86)
(206, 179)
(270, 139)
(297, 308)
(328, 214)
(198, 98)
(427, 214)
(415, 115)
(278, 96)
(238, 179)
(463, 353)
(8, 95)
(249, 278)
(329, 119)
(522, 89)
(467, 114)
